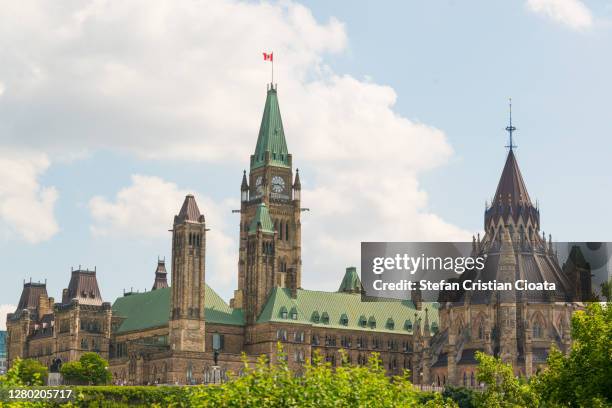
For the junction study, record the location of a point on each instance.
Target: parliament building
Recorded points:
(185, 333)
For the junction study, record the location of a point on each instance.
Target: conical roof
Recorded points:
(271, 138)
(511, 187)
(189, 211)
(262, 217)
(511, 198)
(245, 185)
(351, 282)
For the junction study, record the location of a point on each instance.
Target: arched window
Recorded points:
(286, 232)
(480, 331)
(464, 379)
(537, 330)
(280, 230)
(472, 379)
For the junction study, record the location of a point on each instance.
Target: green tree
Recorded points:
(25, 372)
(584, 377)
(502, 388)
(464, 397)
(317, 385)
(90, 369)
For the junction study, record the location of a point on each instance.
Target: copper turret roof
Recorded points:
(189, 211)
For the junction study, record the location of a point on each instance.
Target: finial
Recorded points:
(510, 128)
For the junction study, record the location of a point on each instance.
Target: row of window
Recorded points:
(363, 321)
(90, 344)
(347, 341)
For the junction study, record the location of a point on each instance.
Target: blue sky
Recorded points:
(394, 111)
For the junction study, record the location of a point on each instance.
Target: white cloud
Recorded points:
(572, 13)
(145, 210)
(26, 207)
(185, 81)
(4, 309)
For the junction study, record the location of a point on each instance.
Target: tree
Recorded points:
(273, 384)
(584, 377)
(26, 372)
(502, 388)
(90, 369)
(464, 397)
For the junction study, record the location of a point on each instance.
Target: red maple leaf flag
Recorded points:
(268, 57)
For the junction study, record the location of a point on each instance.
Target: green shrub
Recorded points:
(90, 369)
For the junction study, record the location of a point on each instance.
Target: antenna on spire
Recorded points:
(510, 128)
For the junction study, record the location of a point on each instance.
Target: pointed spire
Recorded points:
(271, 145)
(161, 280)
(510, 129)
(296, 184)
(189, 211)
(245, 185)
(261, 220)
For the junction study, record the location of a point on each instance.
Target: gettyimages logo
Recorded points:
(510, 272)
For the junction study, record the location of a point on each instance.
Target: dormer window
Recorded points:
(390, 324)
(315, 317)
(408, 325)
(325, 318)
(283, 312)
(363, 321)
(344, 319)
(294, 313)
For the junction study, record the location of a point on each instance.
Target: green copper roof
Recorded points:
(262, 216)
(152, 309)
(344, 311)
(271, 136)
(351, 282)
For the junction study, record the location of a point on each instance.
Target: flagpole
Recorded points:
(272, 69)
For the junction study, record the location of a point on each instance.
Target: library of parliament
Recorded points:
(185, 333)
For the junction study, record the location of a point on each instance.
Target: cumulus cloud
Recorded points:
(185, 81)
(572, 13)
(4, 309)
(26, 207)
(145, 210)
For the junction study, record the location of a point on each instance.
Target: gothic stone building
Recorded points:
(185, 333)
(518, 326)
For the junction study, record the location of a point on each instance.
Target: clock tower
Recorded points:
(270, 182)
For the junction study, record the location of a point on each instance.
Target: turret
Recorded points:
(161, 280)
(297, 186)
(188, 278)
(244, 188)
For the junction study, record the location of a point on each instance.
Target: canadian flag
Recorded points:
(268, 57)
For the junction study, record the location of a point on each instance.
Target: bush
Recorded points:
(464, 397)
(90, 369)
(26, 372)
(319, 385)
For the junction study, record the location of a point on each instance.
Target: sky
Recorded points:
(111, 112)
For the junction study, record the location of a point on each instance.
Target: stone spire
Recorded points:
(271, 145)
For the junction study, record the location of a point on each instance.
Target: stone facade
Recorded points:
(185, 333)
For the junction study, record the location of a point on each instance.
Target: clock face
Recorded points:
(278, 184)
(258, 185)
